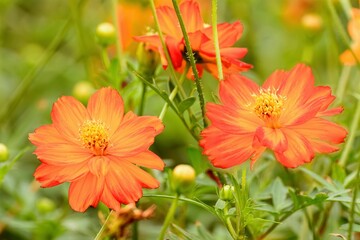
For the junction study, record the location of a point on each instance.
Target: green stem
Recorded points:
(103, 227)
(142, 101)
(169, 217)
(351, 136)
(352, 209)
(105, 58)
(173, 93)
(341, 31)
(343, 82)
(228, 223)
(216, 39)
(20, 91)
(191, 59)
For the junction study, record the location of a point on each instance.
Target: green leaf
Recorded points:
(355, 227)
(338, 173)
(319, 179)
(6, 167)
(185, 104)
(278, 193)
(184, 234)
(203, 232)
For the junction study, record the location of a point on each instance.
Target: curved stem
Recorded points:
(118, 42)
(142, 101)
(190, 55)
(103, 227)
(169, 217)
(351, 136)
(228, 223)
(216, 39)
(342, 82)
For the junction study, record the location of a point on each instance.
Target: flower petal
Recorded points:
(237, 91)
(146, 159)
(168, 22)
(67, 115)
(85, 192)
(62, 154)
(51, 175)
(122, 184)
(106, 105)
(272, 138)
(109, 200)
(226, 150)
(134, 135)
(46, 134)
(191, 15)
(99, 166)
(299, 150)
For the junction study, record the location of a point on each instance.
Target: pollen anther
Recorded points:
(94, 135)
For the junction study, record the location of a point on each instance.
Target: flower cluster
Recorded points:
(99, 150)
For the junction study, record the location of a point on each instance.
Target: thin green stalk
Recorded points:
(173, 93)
(352, 209)
(216, 39)
(118, 41)
(343, 82)
(20, 91)
(351, 136)
(190, 55)
(169, 217)
(103, 228)
(310, 224)
(142, 101)
(229, 224)
(170, 65)
(105, 58)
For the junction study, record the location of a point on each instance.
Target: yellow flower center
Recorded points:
(94, 135)
(269, 105)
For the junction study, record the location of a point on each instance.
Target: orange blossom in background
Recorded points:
(347, 57)
(286, 114)
(98, 150)
(200, 36)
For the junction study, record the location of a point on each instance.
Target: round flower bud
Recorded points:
(45, 205)
(4, 152)
(105, 34)
(183, 178)
(227, 193)
(312, 21)
(83, 90)
(148, 59)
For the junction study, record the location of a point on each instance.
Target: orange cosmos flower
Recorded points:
(285, 115)
(347, 57)
(98, 150)
(201, 39)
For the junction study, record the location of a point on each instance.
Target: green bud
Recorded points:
(148, 59)
(105, 34)
(4, 152)
(183, 178)
(83, 90)
(45, 205)
(227, 193)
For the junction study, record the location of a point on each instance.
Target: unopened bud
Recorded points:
(183, 178)
(4, 152)
(148, 59)
(227, 193)
(83, 90)
(45, 205)
(105, 34)
(312, 21)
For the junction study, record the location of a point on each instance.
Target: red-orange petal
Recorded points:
(191, 15)
(272, 138)
(46, 134)
(237, 91)
(122, 184)
(85, 192)
(226, 150)
(62, 154)
(134, 135)
(106, 105)
(109, 200)
(299, 150)
(146, 159)
(168, 22)
(51, 175)
(67, 115)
